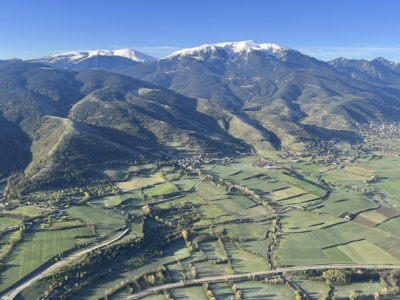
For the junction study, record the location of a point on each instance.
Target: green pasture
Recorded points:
(337, 256)
(189, 293)
(285, 193)
(363, 252)
(8, 222)
(205, 269)
(301, 199)
(175, 272)
(260, 247)
(343, 200)
(221, 290)
(315, 289)
(135, 182)
(210, 211)
(193, 198)
(257, 211)
(212, 250)
(224, 172)
(306, 248)
(26, 211)
(306, 167)
(104, 223)
(115, 200)
(259, 290)
(391, 226)
(302, 183)
(360, 170)
(261, 186)
(298, 221)
(245, 262)
(60, 223)
(234, 204)
(248, 231)
(35, 248)
(389, 188)
(343, 291)
(161, 189)
(184, 184)
(210, 188)
(344, 177)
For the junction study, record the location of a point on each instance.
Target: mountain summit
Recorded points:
(110, 60)
(232, 49)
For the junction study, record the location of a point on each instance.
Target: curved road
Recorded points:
(270, 272)
(58, 264)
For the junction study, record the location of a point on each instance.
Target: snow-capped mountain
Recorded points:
(110, 60)
(232, 50)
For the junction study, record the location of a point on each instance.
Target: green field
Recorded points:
(315, 289)
(105, 225)
(212, 250)
(209, 211)
(259, 247)
(135, 182)
(391, 226)
(285, 193)
(306, 248)
(35, 248)
(299, 221)
(193, 198)
(342, 291)
(345, 200)
(259, 290)
(205, 269)
(245, 262)
(112, 201)
(221, 290)
(161, 189)
(249, 231)
(26, 211)
(189, 293)
(234, 204)
(8, 222)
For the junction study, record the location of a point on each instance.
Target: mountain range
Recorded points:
(61, 121)
(109, 60)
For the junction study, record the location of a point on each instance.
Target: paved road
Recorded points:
(270, 272)
(58, 264)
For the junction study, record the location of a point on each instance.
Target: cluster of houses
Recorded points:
(38, 221)
(194, 162)
(380, 130)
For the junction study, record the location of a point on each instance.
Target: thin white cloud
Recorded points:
(350, 52)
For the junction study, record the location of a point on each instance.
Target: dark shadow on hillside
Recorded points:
(326, 134)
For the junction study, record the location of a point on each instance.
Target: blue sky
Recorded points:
(324, 29)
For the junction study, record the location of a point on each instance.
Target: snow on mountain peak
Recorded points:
(233, 49)
(75, 56)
